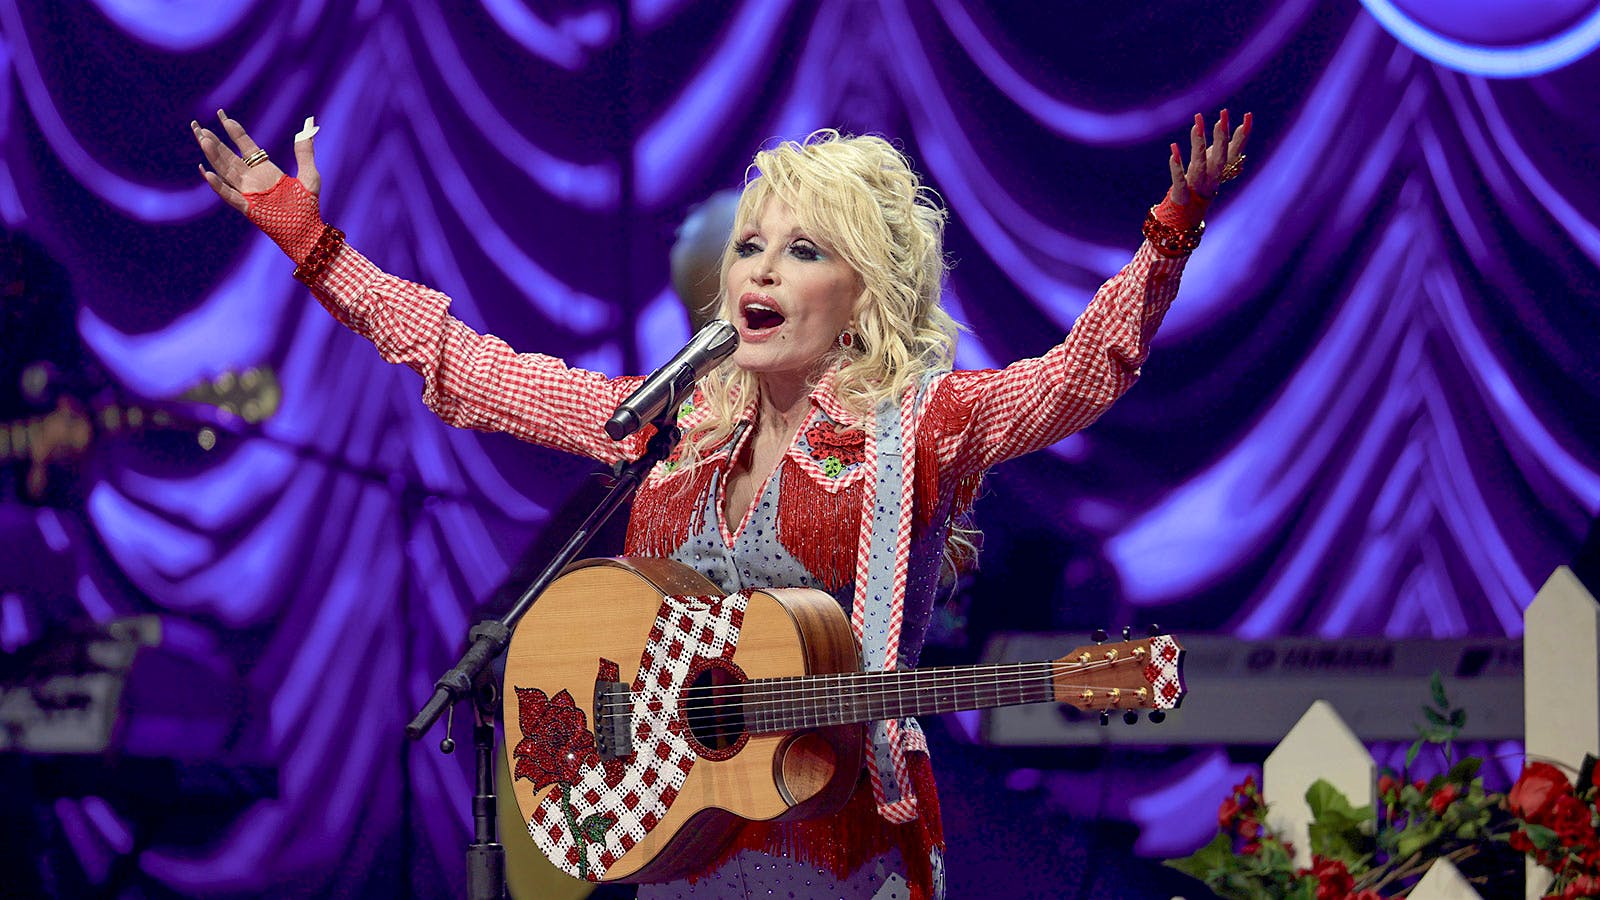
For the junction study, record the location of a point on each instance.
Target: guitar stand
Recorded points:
(470, 676)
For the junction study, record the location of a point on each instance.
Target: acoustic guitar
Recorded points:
(648, 715)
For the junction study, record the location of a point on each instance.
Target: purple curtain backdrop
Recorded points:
(1372, 410)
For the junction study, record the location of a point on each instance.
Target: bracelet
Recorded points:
(310, 271)
(1171, 241)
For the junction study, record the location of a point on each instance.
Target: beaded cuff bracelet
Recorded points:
(1172, 241)
(310, 271)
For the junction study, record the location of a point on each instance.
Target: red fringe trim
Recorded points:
(667, 512)
(845, 841)
(817, 527)
(925, 496)
(949, 412)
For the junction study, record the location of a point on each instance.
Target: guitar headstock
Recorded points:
(252, 395)
(1128, 675)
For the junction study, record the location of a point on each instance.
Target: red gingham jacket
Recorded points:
(972, 419)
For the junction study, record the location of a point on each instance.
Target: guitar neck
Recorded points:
(20, 437)
(251, 396)
(810, 701)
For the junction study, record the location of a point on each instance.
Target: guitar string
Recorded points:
(882, 686)
(895, 681)
(892, 681)
(785, 719)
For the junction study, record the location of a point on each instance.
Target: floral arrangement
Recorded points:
(1362, 854)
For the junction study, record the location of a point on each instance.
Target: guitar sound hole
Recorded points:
(713, 707)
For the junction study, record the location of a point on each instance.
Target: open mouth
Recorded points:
(760, 315)
(760, 318)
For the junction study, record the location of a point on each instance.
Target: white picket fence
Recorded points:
(1561, 688)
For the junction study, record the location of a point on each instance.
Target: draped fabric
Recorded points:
(1372, 410)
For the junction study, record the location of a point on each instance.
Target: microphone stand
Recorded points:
(470, 676)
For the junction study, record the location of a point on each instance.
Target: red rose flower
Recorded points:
(1333, 879)
(556, 739)
(1519, 841)
(1441, 801)
(1570, 818)
(1536, 791)
(1387, 785)
(1591, 856)
(1583, 886)
(1227, 813)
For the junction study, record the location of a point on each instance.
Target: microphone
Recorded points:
(668, 384)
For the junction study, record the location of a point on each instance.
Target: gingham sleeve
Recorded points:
(979, 418)
(475, 380)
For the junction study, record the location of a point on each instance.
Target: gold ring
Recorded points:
(1232, 169)
(260, 156)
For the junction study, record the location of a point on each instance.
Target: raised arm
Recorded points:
(471, 380)
(977, 419)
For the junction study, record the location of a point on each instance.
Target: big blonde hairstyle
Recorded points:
(859, 197)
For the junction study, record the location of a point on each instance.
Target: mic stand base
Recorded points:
(486, 856)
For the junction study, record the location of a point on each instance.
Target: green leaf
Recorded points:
(1304, 889)
(595, 827)
(1436, 684)
(1411, 755)
(1435, 734)
(1435, 718)
(1337, 827)
(1542, 837)
(1324, 798)
(1212, 859)
(1458, 718)
(1464, 771)
(1415, 837)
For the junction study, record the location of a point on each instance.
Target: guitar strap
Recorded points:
(882, 561)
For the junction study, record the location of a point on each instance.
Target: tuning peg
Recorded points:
(1157, 716)
(1154, 630)
(1131, 717)
(1127, 632)
(1105, 717)
(1099, 635)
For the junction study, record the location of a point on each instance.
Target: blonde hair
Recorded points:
(860, 197)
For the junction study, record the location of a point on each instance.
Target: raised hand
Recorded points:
(250, 170)
(1209, 166)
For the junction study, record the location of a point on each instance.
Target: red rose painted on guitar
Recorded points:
(745, 707)
(557, 745)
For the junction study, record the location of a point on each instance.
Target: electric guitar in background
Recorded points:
(648, 715)
(64, 435)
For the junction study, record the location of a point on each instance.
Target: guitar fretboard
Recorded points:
(786, 704)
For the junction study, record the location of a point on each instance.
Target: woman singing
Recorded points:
(836, 449)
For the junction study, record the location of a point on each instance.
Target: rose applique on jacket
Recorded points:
(836, 449)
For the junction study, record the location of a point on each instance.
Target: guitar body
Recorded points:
(607, 611)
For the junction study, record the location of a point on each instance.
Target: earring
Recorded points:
(846, 340)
